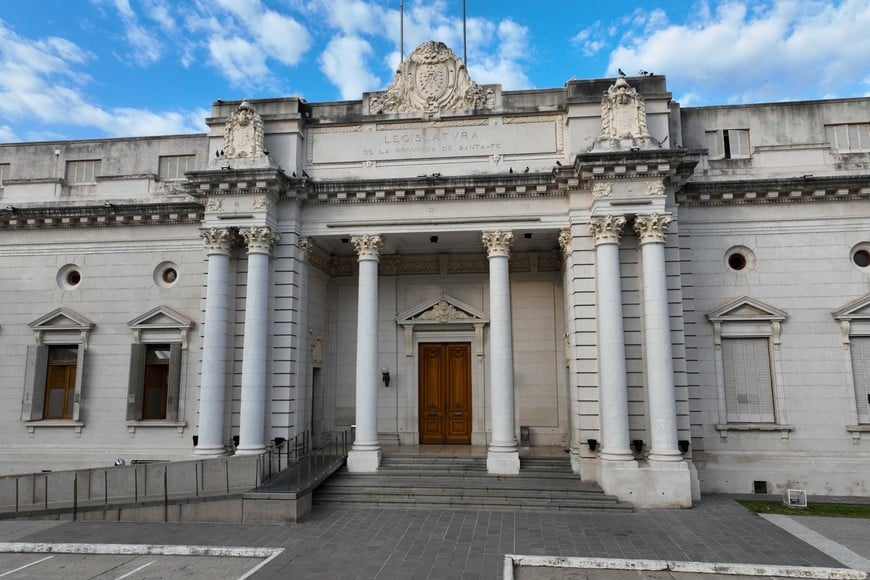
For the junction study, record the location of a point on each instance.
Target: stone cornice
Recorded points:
(229, 181)
(642, 164)
(786, 190)
(104, 215)
(432, 188)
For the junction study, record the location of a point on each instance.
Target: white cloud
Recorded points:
(344, 62)
(41, 84)
(258, 32)
(7, 134)
(750, 51)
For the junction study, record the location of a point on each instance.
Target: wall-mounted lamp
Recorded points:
(385, 376)
(592, 443)
(683, 444)
(637, 445)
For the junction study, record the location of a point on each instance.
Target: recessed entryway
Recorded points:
(445, 393)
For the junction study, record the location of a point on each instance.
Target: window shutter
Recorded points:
(136, 384)
(34, 383)
(174, 381)
(739, 140)
(860, 346)
(748, 387)
(714, 144)
(80, 371)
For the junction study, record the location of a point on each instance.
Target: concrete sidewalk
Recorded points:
(380, 543)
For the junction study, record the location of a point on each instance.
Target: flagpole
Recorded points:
(401, 31)
(464, 42)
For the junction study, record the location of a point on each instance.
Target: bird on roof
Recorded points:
(622, 74)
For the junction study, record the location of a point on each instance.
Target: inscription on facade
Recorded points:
(431, 140)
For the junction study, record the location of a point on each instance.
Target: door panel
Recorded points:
(445, 393)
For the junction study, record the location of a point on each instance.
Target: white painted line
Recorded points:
(833, 549)
(511, 561)
(260, 565)
(25, 566)
(131, 572)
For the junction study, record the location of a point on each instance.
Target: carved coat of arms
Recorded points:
(432, 79)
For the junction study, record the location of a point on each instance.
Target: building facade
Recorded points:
(678, 297)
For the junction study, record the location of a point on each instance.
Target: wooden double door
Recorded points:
(445, 393)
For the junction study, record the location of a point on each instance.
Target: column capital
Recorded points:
(498, 243)
(368, 246)
(652, 228)
(259, 240)
(565, 242)
(306, 248)
(607, 229)
(218, 240)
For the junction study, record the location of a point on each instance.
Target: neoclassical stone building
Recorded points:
(678, 297)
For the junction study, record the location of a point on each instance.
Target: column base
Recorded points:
(363, 460)
(649, 484)
(252, 450)
(665, 456)
(503, 462)
(210, 451)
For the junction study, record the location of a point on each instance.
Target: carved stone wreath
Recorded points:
(432, 79)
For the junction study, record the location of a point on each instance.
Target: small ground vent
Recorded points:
(759, 487)
(795, 498)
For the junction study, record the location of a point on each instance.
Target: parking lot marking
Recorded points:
(131, 572)
(25, 566)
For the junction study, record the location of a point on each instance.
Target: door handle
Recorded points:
(433, 413)
(457, 413)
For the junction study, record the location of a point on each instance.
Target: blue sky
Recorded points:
(77, 69)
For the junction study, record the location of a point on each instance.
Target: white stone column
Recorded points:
(252, 425)
(570, 330)
(365, 456)
(218, 242)
(503, 453)
(613, 391)
(651, 231)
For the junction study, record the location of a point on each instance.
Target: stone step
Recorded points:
(433, 482)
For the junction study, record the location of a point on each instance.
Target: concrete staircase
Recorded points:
(463, 483)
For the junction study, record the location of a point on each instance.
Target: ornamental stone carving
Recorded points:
(214, 204)
(565, 242)
(655, 187)
(442, 312)
(260, 239)
(623, 120)
(367, 246)
(498, 243)
(607, 229)
(306, 249)
(432, 79)
(243, 140)
(602, 189)
(218, 240)
(652, 228)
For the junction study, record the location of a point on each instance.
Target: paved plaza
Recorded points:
(337, 543)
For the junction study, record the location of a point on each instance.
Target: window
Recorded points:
(82, 171)
(748, 382)
(156, 362)
(849, 136)
(728, 144)
(746, 336)
(4, 172)
(854, 321)
(155, 373)
(60, 382)
(174, 166)
(53, 378)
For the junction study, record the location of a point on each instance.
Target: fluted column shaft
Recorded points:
(252, 426)
(657, 338)
(214, 344)
(503, 454)
(613, 390)
(365, 454)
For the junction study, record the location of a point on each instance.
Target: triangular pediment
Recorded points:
(746, 309)
(442, 309)
(161, 317)
(62, 319)
(856, 310)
